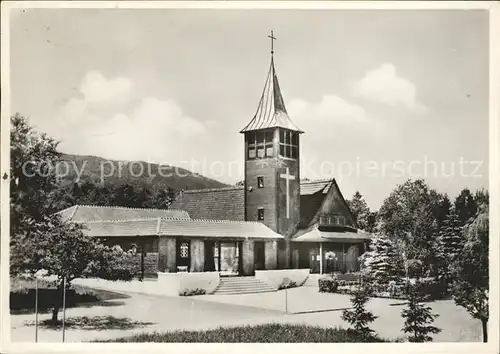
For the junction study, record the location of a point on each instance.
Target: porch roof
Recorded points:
(313, 234)
(180, 227)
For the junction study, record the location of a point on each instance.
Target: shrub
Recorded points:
(328, 285)
(432, 289)
(287, 284)
(358, 317)
(192, 292)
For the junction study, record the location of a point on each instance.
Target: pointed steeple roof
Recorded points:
(271, 112)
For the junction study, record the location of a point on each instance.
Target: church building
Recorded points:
(274, 220)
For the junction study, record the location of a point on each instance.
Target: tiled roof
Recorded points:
(81, 213)
(312, 187)
(180, 227)
(113, 228)
(313, 234)
(229, 203)
(217, 204)
(221, 228)
(271, 112)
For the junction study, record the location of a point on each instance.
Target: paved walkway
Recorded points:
(305, 305)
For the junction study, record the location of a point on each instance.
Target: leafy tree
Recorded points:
(470, 270)
(63, 250)
(465, 206)
(418, 318)
(481, 197)
(379, 260)
(360, 211)
(33, 183)
(358, 317)
(409, 214)
(40, 240)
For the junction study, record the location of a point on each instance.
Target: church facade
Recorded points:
(273, 221)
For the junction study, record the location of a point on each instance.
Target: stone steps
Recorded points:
(312, 280)
(241, 285)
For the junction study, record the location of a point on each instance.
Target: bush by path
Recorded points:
(268, 333)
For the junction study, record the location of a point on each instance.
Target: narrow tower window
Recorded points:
(260, 214)
(260, 182)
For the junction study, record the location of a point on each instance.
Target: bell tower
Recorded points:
(272, 170)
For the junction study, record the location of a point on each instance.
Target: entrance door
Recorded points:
(183, 255)
(314, 258)
(229, 258)
(259, 255)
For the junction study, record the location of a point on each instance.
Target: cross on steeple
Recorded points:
(273, 38)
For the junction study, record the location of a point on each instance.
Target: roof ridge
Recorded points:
(215, 221)
(122, 207)
(119, 220)
(212, 189)
(318, 180)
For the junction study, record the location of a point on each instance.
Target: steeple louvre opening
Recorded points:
(271, 112)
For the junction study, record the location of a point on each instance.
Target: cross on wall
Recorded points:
(288, 177)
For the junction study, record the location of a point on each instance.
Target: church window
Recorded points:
(184, 250)
(260, 214)
(289, 144)
(260, 182)
(341, 220)
(260, 144)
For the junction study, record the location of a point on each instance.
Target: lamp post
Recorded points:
(36, 309)
(64, 309)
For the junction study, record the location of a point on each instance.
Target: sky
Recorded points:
(382, 95)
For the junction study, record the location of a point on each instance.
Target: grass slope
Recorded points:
(268, 333)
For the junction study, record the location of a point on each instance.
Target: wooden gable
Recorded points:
(334, 206)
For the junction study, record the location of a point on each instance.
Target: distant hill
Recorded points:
(108, 172)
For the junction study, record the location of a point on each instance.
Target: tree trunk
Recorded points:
(485, 330)
(57, 304)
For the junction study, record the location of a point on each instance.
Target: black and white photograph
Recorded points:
(207, 172)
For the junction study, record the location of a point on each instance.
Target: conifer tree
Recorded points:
(418, 318)
(379, 261)
(358, 317)
(450, 242)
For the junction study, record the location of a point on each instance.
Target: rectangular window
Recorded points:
(260, 152)
(260, 182)
(269, 136)
(269, 151)
(260, 137)
(251, 153)
(260, 214)
(289, 144)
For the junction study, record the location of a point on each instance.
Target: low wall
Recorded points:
(275, 278)
(174, 283)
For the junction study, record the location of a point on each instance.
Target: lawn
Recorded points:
(268, 333)
(22, 296)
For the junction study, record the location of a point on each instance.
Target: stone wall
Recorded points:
(174, 283)
(275, 278)
(167, 255)
(271, 254)
(248, 257)
(197, 255)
